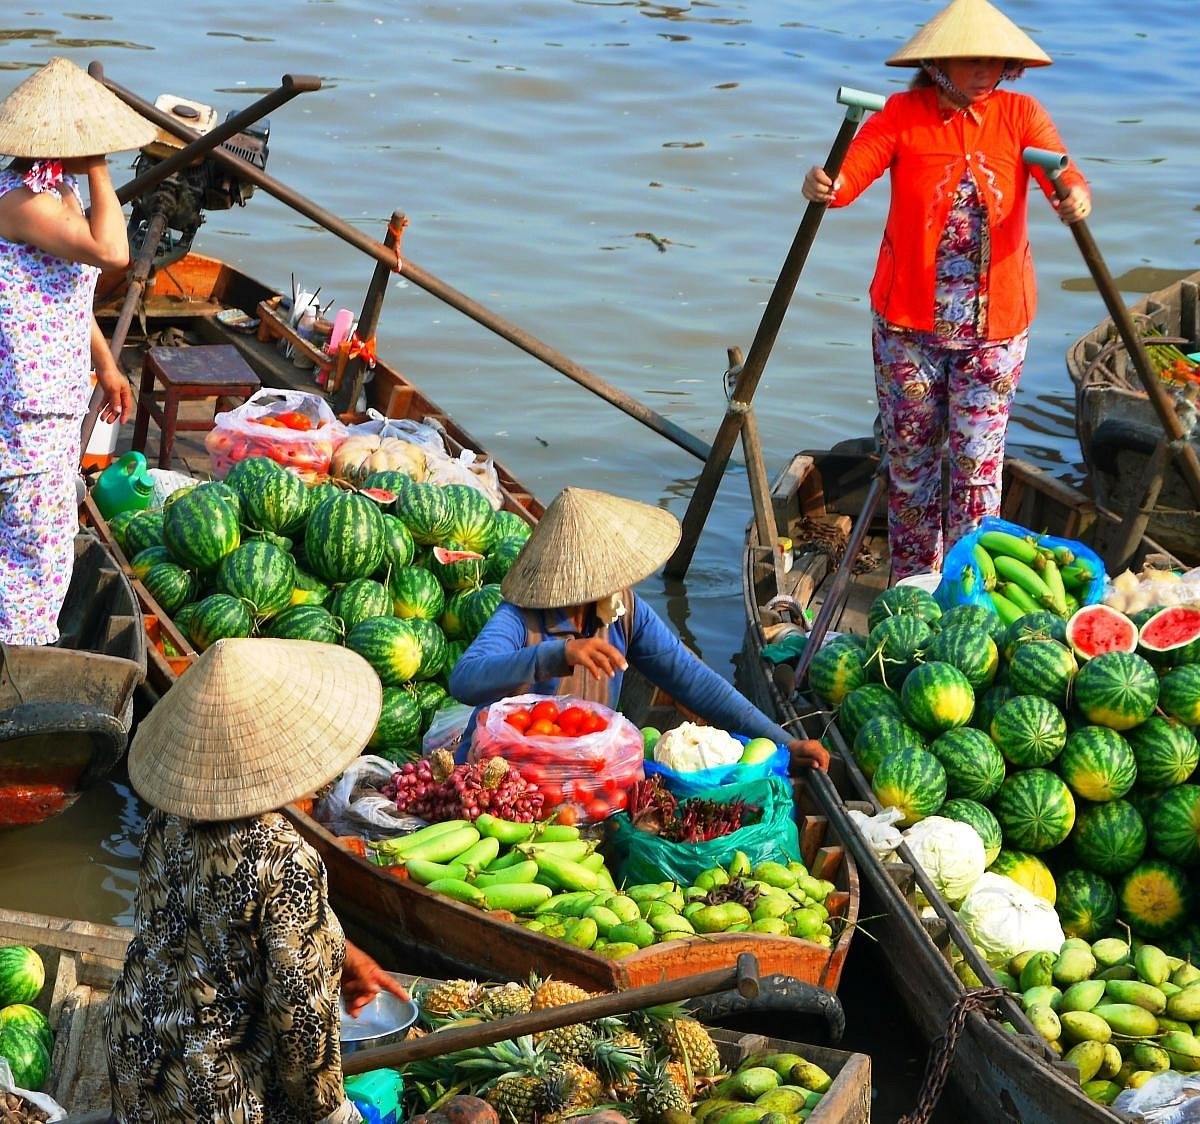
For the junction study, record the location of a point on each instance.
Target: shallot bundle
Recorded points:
(436, 789)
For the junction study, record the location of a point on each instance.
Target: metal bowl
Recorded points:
(381, 1021)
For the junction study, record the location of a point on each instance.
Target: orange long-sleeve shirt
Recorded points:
(926, 152)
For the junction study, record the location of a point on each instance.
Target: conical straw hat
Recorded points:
(62, 111)
(586, 546)
(970, 29)
(252, 725)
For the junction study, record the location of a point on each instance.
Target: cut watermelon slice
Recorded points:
(1096, 629)
(1170, 630)
(446, 557)
(380, 495)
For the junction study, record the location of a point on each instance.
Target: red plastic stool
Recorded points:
(214, 371)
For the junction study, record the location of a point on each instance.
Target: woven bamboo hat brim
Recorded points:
(62, 111)
(586, 546)
(252, 725)
(967, 29)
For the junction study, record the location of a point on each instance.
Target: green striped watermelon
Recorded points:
(988, 702)
(1175, 825)
(977, 618)
(344, 538)
(456, 567)
(1033, 626)
(213, 488)
(399, 725)
(867, 701)
(171, 586)
(454, 651)
(387, 480)
(501, 557)
(218, 617)
(1166, 752)
(144, 530)
(398, 546)
(894, 647)
(1154, 897)
(259, 574)
(477, 608)
(1179, 694)
(903, 600)
(451, 619)
(359, 599)
(425, 511)
(974, 766)
(472, 522)
(1116, 689)
(986, 826)
(183, 618)
(142, 562)
(23, 1015)
(969, 649)
(1043, 667)
(1029, 730)
(307, 622)
(937, 697)
(880, 736)
(509, 524)
(430, 696)
(1035, 810)
(390, 645)
(273, 499)
(433, 647)
(118, 525)
(200, 528)
(308, 590)
(416, 593)
(1086, 905)
(835, 671)
(1097, 764)
(27, 1057)
(22, 974)
(911, 780)
(1026, 870)
(1109, 838)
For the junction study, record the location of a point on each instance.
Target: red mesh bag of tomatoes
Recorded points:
(582, 756)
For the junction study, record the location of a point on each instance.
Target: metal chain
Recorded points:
(941, 1050)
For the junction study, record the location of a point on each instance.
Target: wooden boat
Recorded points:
(66, 709)
(1002, 1076)
(1117, 426)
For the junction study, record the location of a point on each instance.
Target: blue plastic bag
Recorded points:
(960, 559)
(684, 785)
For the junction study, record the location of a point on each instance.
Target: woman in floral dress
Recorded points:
(954, 290)
(58, 124)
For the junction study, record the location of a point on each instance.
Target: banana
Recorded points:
(985, 565)
(1054, 583)
(1005, 609)
(1020, 573)
(1002, 544)
(1019, 597)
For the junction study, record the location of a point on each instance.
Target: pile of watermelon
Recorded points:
(1070, 747)
(26, 1038)
(404, 573)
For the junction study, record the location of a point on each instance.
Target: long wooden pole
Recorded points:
(701, 502)
(1177, 437)
(527, 342)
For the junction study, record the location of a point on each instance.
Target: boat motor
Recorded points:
(205, 185)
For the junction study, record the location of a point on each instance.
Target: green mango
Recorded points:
(711, 1105)
(738, 1114)
(774, 874)
(781, 1063)
(750, 1084)
(787, 1101)
(1112, 1063)
(720, 918)
(771, 906)
(1018, 962)
(738, 866)
(1102, 1091)
(1138, 993)
(1186, 1005)
(671, 925)
(1087, 1057)
(1073, 965)
(640, 933)
(1045, 1022)
(1083, 1026)
(1154, 1058)
(1168, 988)
(1038, 970)
(1110, 951)
(1185, 974)
(614, 950)
(605, 918)
(1127, 1019)
(1183, 1050)
(1138, 1078)
(809, 1075)
(1047, 996)
(1006, 979)
(774, 926)
(1166, 1024)
(1082, 996)
(966, 974)
(1117, 972)
(1151, 964)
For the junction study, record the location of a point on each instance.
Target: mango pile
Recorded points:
(774, 1085)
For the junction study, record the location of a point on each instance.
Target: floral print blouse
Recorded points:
(227, 1008)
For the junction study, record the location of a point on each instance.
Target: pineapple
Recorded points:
(448, 998)
(586, 1089)
(614, 1058)
(554, 993)
(507, 999)
(685, 1039)
(517, 1100)
(659, 1093)
(571, 1043)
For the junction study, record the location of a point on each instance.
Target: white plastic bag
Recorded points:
(37, 1100)
(404, 428)
(467, 468)
(355, 806)
(166, 482)
(1167, 1098)
(880, 830)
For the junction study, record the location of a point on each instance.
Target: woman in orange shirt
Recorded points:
(954, 291)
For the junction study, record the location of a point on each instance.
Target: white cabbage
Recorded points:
(1004, 919)
(689, 747)
(951, 853)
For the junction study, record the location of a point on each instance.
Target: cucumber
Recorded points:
(516, 897)
(399, 846)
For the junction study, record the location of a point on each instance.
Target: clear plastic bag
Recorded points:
(880, 830)
(403, 428)
(1167, 1098)
(467, 468)
(587, 776)
(447, 728)
(48, 1105)
(355, 806)
(244, 432)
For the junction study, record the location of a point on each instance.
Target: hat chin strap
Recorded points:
(942, 81)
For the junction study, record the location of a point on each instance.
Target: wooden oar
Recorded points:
(1178, 441)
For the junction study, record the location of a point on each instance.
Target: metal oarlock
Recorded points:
(1050, 162)
(859, 101)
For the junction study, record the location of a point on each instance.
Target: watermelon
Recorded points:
(308, 590)
(1172, 636)
(344, 538)
(454, 651)
(880, 736)
(451, 619)
(144, 530)
(473, 521)
(1179, 694)
(416, 592)
(1042, 667)
(968, 649)
(1026, 870)
(1166, 752)
(1096, 629)
(1109, 838)
(390, 645)
(986, 826)
(456, 567)
(201, 528)
(1035, 810)
(272, 498)
(977, 618)
(477, 608)
(216, 488)
(22, 974)
(988, 702)
(501, 557)
(911, 780)
(1116, 689)
(307, 622)
(1086, 904)
(359, 599)
(903, 600)
(1154, 897)
(1175, 825)
(118, 525)
(21, 1014)
(431, 696)
(425, 511)
(974, 766)
(183, 618)
(259, 574)
(27, 1057)
(390, 480)
(509, 524)
(219, 616)
(937, 697)
(144, 560)
(170, 585)
(867, 701)
(894, 646)
(1029, 730)
(1033, 626)
(1098, 764)
(398, 545)
(432, 641)
(399, 725)
(835, 671)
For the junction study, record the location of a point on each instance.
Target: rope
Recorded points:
(942, 1049)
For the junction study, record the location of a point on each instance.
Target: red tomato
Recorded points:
(292, 419)
(547, 711)
(542, 728)
(578, 790)
(572, 719)
(534, 773)
(552, 792)
(274, 423)
(619, 800)
(595, 723)
(568, 814)
(519, 720)
(598, 810)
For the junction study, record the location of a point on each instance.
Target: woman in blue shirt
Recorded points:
(570, 623)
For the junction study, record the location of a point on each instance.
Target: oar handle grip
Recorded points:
(859, 99)
(1050, 162)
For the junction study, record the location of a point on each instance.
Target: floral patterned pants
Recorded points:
(935, 401)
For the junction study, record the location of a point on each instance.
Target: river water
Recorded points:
(620, 178)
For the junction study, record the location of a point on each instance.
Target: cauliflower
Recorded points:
(951, 853)
(1003, 919)
(689, 747)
